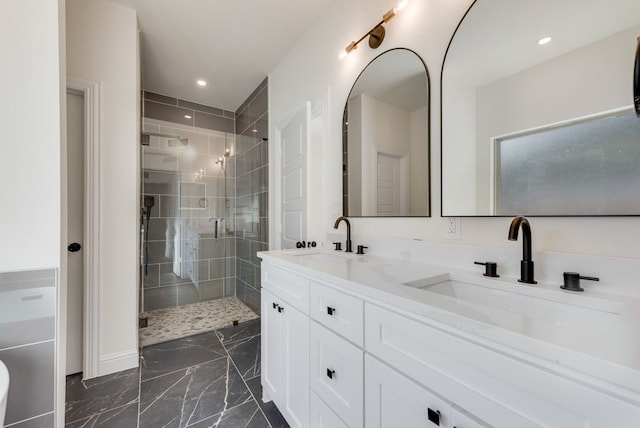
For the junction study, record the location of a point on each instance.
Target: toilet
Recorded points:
(4, 391)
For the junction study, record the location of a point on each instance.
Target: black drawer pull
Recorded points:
(280, 309)
(331, 373)
(275, 305)
(434, 416)
(331, 310)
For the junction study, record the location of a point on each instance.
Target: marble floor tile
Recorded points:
(269, 409)
(245, 415)
(245, 354)
(85, 398)
(191, 395)
(240, 331)
(121, 417)
(179, 354)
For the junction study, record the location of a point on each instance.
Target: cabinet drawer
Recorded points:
(392, 400)
(337, 374)
(493, 386)
(288, 286)
(340, 312)
(322, 416)
(461, 419)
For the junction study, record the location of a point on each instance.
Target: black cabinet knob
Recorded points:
(280, 309)
(434, 416)
(331, 373)
(74, 247)
(275, 305)
(331, 310)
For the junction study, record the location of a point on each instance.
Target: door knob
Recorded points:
(74, 247)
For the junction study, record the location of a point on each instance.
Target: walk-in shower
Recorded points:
(187, 244)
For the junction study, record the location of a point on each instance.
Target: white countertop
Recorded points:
(602, 348)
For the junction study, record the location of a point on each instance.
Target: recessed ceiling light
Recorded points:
(201, 82)
(186, 116)
(544, 40)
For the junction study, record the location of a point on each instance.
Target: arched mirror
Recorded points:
(386, 139)
(537, 110)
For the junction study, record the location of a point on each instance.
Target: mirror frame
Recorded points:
(442, 214)
(344, 136)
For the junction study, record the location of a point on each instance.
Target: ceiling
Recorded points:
(232, 45)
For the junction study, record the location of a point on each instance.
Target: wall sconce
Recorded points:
(376, 34)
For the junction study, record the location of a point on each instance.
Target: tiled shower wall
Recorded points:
(27, 345)
(187, 261)
(252, 193)
(246, 223)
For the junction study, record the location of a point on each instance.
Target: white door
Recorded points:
(75, 230)
(388, 186)
(294, 147)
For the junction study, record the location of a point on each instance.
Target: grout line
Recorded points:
(247, 385)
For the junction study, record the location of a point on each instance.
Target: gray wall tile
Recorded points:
(32, 372)
(168, 113)
(159, 98)
(201, 107)
(210, 121)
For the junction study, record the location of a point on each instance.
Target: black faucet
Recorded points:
(526, 265)
(335, 226)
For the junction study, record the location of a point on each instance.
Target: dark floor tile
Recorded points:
(122, 417)
(270, 410)
(245, 354)
(191, 395)
(238, 332)
(86, 398)
(179, 354)
(246, 415)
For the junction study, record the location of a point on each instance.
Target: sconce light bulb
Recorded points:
(220, 159)
(402, 4)
(226, 151)
(342, 54)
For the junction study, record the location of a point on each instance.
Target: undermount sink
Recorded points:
(531, 301)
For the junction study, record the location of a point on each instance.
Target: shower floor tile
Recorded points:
(173, 323)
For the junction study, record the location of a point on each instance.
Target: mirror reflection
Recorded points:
(386, 139)
(537, 115)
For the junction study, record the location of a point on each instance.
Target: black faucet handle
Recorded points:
(361, 249)
(572, 281)
(490, 269)
(338, 246)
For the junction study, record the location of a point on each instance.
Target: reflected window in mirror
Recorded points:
(498, 82)
(385, 129)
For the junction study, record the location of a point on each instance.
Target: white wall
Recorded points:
(30, 135)
(102, 45)
(419, 171)
(426, 26)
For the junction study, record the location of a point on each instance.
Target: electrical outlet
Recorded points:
(452, 227)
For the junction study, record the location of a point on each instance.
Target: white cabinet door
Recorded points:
(272, 345)
(322, 416)
(392, 400)
(295, 353)
(461, 419)
(285, 359)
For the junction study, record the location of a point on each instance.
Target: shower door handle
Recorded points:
(74, 247)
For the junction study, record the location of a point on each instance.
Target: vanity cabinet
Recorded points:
(285, 345)
(336, 357)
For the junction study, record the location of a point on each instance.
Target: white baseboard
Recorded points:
(112, 363)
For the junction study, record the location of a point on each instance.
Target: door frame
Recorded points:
(92, 93)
